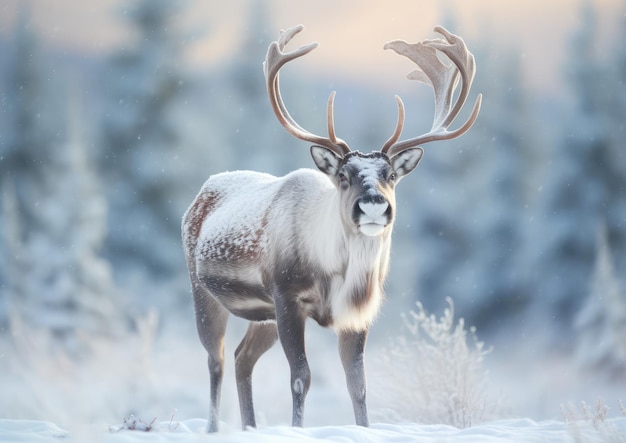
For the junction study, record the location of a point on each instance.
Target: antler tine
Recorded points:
(399, 126)
(330, 118)
(444, 79)
(457, 52)
(275, 59)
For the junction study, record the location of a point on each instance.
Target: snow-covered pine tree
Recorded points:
(615, 212)
(471, 220)
(446, 214)
(25, 123)
(12, 259)
(256, 140)
(140, 142)
(69, 291)
(576, 194)
(25, 142)
(506, 134)
(601, 323)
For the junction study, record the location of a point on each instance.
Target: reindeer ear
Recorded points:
(326, 160)
(405, 161)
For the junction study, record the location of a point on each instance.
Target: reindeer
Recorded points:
(277, 250)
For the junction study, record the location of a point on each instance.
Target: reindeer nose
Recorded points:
(376, 199)
(373, 205)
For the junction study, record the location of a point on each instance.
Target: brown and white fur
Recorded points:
(278, 250)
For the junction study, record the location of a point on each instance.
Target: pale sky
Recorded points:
(351, 34)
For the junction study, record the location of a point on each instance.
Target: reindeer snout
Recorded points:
(372, 211)
(373, 207)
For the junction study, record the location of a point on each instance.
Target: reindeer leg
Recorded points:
(259, 338)
(351, 347)
(211, 319)
(290, 322)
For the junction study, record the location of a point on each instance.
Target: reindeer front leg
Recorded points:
(290, 322)
(351, 347)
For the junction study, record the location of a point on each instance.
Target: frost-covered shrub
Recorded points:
(434, 373)
(595, 417)
(132, 423)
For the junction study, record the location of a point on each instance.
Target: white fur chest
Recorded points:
(356, 297)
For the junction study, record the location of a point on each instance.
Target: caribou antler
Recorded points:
(444, 79)
(274, 61)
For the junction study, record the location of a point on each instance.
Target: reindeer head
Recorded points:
(366, 182)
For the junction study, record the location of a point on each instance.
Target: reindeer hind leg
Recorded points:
(211, 319)
(259, 338)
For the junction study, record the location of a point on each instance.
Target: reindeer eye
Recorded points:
(392, 177)
(342, 178)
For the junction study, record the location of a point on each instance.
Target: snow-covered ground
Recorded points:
(518, 430)
(159, 375)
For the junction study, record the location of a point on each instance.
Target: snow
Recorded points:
(165, 382)
(246, 196)
(369, 170)
(515, 430)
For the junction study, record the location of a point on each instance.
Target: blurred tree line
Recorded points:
(96, 170)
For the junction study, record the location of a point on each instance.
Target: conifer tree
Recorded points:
(615, 172)
(472, 221)
(601, 323)
(26, 120)
(141, 141)
(256, 138)
(24, 152)
(577, 191)
(500, 227)
(69, 289)
(13, 263)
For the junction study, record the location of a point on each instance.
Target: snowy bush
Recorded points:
(595, 417)
(132, 423)
(434, 374)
